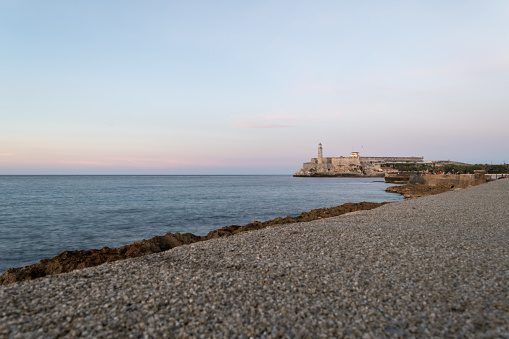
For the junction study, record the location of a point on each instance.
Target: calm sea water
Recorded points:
(42, 216)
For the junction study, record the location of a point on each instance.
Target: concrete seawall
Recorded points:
(451, 180)
(456, 180)
(435, 266)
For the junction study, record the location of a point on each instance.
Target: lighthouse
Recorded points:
(320, 154)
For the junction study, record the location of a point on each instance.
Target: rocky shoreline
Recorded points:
(431, 267)
(69, 261)
(419, 190)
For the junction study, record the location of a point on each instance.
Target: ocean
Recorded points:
(42, 216)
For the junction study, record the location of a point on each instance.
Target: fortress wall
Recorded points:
(314, 166)
(345, 161)
(392, 159)
(308, 165)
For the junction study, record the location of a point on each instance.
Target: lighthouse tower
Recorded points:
(320, 154)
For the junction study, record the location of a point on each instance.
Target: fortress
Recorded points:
(352, 166)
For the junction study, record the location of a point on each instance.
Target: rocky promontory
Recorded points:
(422, 185)
(418, 190)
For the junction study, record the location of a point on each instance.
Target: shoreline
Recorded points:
(69, 261)
(429, 267)
(72, 260)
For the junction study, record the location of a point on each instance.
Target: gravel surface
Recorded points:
(435, 266)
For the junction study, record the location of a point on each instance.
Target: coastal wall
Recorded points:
(456, 180)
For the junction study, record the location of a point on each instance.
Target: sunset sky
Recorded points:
(248, 87)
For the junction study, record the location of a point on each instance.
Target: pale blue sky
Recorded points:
(237, 87)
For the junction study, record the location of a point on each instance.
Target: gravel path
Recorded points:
(436, 266)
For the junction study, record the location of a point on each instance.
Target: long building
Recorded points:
(354, 165)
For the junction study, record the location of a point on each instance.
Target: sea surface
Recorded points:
(42, 216)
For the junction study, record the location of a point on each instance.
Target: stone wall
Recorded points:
(392, 159)
(456, 180)
(346, 161)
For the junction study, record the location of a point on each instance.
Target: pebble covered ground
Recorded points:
(435, 266)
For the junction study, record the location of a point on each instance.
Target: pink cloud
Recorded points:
(146, 163)
(255, 125)
(6, 154)
(282, 119)
(265, 120)
(89, 163)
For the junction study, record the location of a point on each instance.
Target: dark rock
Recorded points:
(72, 260)
(418, 190)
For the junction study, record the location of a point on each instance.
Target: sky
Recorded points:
(248, 87)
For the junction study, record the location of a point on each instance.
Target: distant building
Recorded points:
(354, 165)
